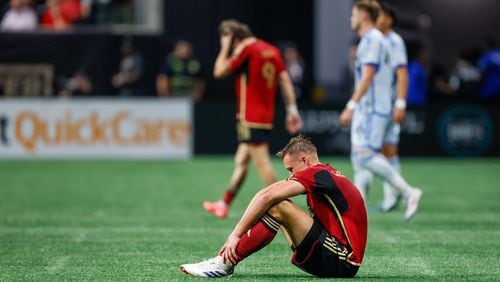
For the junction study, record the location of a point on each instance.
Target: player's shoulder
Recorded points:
(247, 44)
(395, 38)
(375, 34)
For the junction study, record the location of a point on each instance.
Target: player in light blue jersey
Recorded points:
(370, 108)
(399, 90)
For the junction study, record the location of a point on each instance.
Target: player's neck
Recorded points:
(386, 31)
(365, 28)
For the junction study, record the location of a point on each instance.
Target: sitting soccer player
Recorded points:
(330, 243)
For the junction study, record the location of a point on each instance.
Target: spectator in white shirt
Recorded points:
(19, 17)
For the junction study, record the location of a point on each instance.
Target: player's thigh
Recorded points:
(390, 150)
(260, 154)
(391, 140)
(368, 131)
(296, 221)
(242, 155)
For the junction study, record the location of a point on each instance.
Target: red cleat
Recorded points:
(218, 209)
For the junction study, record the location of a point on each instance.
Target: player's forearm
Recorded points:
(255, 210)
(402, 83)
(362, 88)
(288, 93)
(221, 63)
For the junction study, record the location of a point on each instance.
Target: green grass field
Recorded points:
(139, 220)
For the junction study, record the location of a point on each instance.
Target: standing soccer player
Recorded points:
(329, 243)
(397, 50)
(260, 68)
(369, 109)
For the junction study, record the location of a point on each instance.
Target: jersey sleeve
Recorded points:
(238, 58)
(373, 52)
(399, 58)
(304, 178)
(280, 63)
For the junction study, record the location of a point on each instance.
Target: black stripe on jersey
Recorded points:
(324, 181)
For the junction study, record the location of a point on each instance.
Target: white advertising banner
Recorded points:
(96, 128)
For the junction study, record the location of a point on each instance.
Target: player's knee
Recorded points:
(390, 151)
(361, 155)
(279, 209)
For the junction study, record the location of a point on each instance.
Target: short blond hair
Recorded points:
(237, 28)
(372, 7)
(298, 144)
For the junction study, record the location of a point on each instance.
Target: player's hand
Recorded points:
(228, 250)
(399, 115)
(293, 123)
(345, 117)
(225, 40)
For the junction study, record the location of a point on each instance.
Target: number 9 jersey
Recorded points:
(257, 65)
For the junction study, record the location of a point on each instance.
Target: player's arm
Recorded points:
(260, 203)
(368, 72)
(293, 120)
(162, 85)
(221, 68)
(401, 93)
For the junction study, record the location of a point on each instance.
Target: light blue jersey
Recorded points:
(372, 116)
(373, 49)
(397, 52)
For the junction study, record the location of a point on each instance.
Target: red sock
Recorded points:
(261, 234)
(228, 197)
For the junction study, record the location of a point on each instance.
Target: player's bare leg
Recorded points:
(391, 195)
(241, 161)
(260, 157)
(295, 221)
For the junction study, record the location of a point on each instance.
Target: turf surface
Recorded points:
(133, 220)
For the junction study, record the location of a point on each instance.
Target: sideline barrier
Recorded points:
(96, 128)
(459, 130)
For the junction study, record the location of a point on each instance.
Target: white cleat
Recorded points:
(412, 204)
(211, 268)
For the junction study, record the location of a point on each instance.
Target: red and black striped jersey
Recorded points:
(257, 65)
(338, 205)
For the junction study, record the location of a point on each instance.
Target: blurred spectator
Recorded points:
(20, 17)
(180, 74)
(465, 77)
(347, 81)
(123, 11)
(128, 78)
(489, 64)
(61, 14)
(418, 76)
(440, 87)
(295, 66)
(77, 85)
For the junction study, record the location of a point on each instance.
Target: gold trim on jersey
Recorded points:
(243, 107)
(243, 96)
(344, 230)
(257, 124)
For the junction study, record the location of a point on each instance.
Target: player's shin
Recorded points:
(391, 194)
(257, 237)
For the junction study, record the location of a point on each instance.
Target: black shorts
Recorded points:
(252, 135)
(315, 255)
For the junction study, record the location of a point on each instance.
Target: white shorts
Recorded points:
(371, 131)
(392, 134)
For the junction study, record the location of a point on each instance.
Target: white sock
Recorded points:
(391, 193)
(362, 180)
(379, 165)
